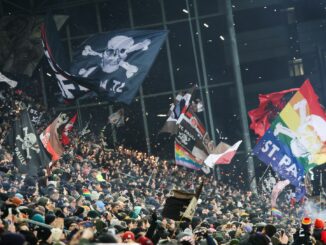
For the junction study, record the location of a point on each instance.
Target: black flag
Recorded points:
(58, 61)
(29, 155)
(112, 64)
(116, 63)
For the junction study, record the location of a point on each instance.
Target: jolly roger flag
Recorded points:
(58, 61)
(116, 63)
(29, 154)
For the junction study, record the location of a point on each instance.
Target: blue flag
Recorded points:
(115, 64)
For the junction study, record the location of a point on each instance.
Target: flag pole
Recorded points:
(321, 190)
(239, 90)
(261, 178)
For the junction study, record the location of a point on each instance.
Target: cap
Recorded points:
(319, 224)
(128, 235)
(306, 221)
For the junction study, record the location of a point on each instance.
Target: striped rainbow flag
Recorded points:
(183, 158)
(277, 213)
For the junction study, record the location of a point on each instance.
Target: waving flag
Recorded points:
(29, 155)
(68, 127)
(277, 189)
(296, 139)
(269, 107)
(224, 157)
(58, 61)
(181, 104)
(277, 213)
(184, 158)
(116, 63)
(50, 138)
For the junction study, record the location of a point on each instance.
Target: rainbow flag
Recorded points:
(86, 193)
(184, 158)
(277, 213)
(296, 139)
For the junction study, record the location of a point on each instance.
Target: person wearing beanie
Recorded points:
(318, 228)
(16, 201)
(128, 237)
(38, 218)
(303, 235)
(144, 240)
(49, 219)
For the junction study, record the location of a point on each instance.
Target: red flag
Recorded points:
(50, 137)
(269, 107)
(68, 127)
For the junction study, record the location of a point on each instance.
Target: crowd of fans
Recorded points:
(99, 195)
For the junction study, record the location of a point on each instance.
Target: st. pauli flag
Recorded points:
(58, 61)
(50, 138)
(29, 154)
(67, 128)
(181, 104)
(269, 107)
(296, 139)
(193, 136)
(116, 63)
(277, 189)
(224, 157)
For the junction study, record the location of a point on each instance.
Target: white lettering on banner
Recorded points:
(267, 146)
(292, 168)
(117, 87)
(20, 156)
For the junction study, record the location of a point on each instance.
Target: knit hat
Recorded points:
(128, 235)
(42, 201)
(144, 241)
(49, 218)
(93, 214)
(38, 218)
(306, 221)
(319, 224)
(16, 201)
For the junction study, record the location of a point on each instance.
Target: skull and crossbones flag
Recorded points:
(113, 64)
(116, 63)
(29, 154)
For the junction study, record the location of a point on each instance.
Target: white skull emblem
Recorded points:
(28, 142)
(115, 55)
(116, 52)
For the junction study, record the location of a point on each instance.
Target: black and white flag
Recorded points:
(29, 155)
(58, 61)
(35, 115)
(116, 63)
(113, 64)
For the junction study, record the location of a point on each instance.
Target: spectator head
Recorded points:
(270, 230)
(319, 224)
(128, 236)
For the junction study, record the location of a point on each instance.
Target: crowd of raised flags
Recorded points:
(290, 124)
